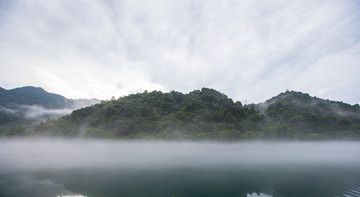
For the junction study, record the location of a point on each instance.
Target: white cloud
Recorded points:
(247, 49)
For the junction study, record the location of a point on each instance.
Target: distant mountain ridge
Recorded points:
(30, 95)
(26, 106)
(209, 114)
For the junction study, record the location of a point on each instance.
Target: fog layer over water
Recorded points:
(60, 153)
(158, 168)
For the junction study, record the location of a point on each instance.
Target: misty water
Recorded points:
(105, 168)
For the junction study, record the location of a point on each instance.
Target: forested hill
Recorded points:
(209, 114)
(293, 114)
(300, 102)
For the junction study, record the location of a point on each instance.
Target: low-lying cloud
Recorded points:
(7, 110)
(35, 112)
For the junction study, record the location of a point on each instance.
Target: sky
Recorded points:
(249, 50)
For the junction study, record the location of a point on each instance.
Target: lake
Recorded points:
(105, 168)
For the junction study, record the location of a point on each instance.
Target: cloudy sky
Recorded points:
(250, 50)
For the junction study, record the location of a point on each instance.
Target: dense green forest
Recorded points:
(209, 114)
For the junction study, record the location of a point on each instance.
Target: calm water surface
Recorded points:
(99, 168)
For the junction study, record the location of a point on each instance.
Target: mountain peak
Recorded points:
(28, 88)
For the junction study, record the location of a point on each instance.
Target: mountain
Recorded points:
(209, 114)
(26, 106)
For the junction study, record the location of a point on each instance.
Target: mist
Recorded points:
(36, 112)
(35, 153)
(39, 112)
(89, 167)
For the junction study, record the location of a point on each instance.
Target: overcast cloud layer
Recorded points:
(249, 50)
